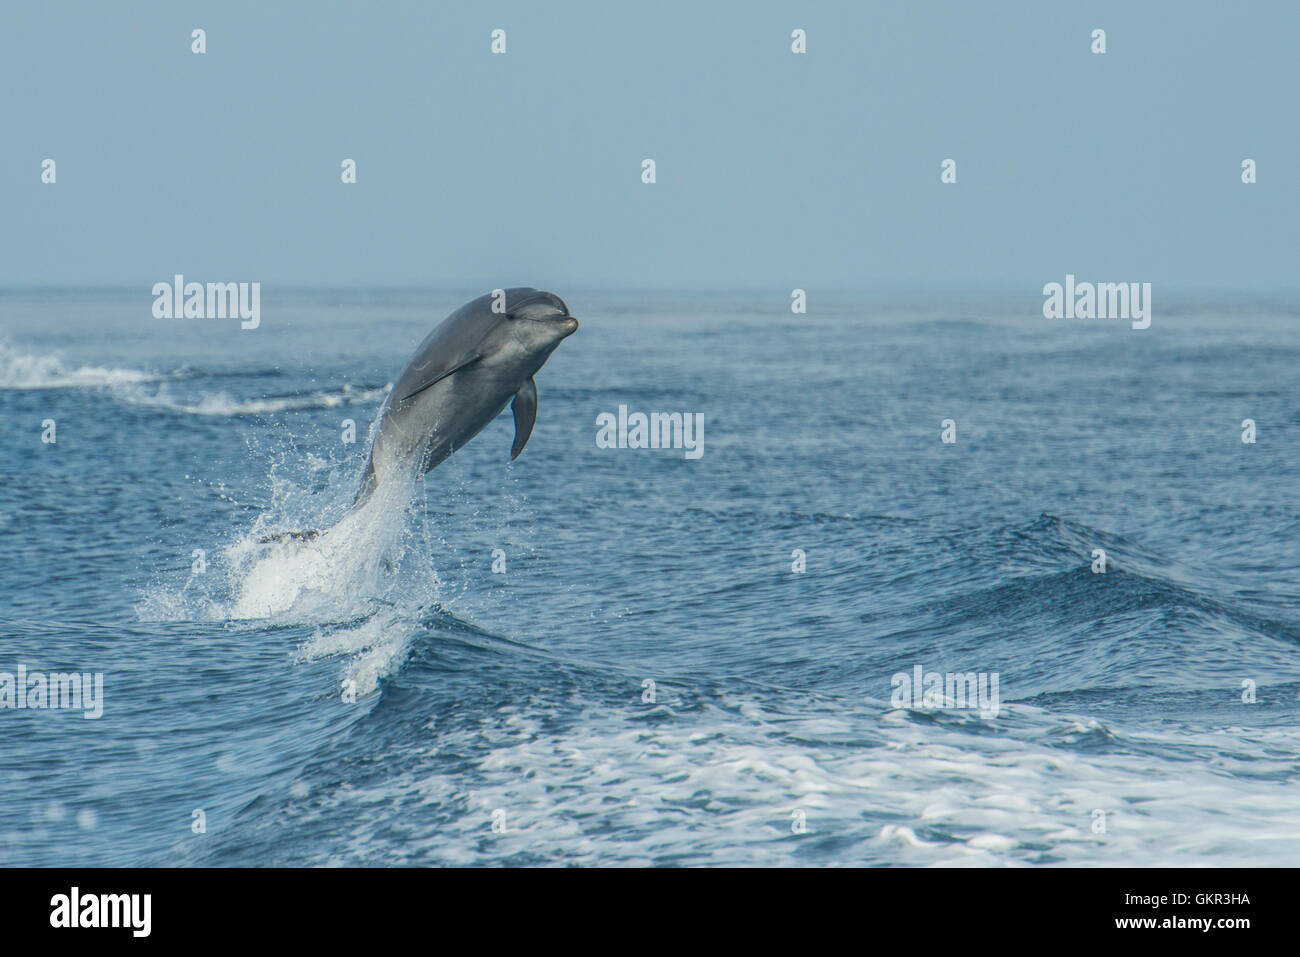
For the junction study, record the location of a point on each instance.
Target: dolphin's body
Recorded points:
(460, 379)
(479, 358)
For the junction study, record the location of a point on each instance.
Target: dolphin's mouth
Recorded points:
(567, 324)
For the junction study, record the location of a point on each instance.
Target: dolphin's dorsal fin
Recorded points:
(441, 374)
(525, 409)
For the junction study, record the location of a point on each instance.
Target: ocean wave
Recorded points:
(1135, 579)
(25, 371)
(22, 371)
(224, 404)
(739, 778)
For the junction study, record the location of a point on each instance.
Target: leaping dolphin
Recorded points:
(460, 379)
(482, 356)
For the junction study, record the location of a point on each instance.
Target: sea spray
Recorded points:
(335, 576)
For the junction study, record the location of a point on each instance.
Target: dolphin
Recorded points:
(479, 358)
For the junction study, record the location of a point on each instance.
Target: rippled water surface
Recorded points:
(1120, 737)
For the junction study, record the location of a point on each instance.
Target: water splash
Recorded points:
(364, 582)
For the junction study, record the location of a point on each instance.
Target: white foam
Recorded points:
(223, 404)
(721, 787)
(24, 371)
(376, 646)
(332, 577)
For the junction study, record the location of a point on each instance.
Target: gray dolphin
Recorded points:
(482, 356)
(460, 379)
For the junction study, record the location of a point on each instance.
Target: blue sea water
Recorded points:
(522, 699)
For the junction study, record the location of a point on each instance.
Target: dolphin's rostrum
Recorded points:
(479, 358)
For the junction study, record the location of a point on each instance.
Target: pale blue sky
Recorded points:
(774, 169)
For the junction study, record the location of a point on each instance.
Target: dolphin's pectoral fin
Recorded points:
(456, 366)
(525, 410)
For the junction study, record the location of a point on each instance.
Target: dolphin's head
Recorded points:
(539, 321)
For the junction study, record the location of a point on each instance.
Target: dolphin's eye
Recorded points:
(537, 310)
(537, 305)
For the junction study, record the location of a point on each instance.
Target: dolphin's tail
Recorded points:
(281, 537)
(369, 482)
